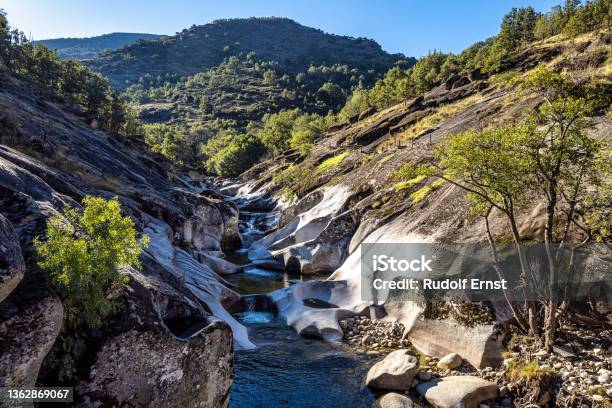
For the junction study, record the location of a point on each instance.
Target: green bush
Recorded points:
(166, 140)
(294, 180)
(332, 162)
(83, 252)
(228, 153)
(68, 79)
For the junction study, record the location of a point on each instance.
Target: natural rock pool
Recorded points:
(287, 369)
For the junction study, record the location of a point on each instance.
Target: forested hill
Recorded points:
(293, 46)
(89, 47)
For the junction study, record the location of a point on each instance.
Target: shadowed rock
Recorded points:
(12, 266)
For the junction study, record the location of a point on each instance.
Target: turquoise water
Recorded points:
(288, 370)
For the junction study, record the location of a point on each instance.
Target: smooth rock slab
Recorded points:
(393, 400)
(394, 372)
(457, 391)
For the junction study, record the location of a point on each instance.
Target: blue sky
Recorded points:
(412, 27)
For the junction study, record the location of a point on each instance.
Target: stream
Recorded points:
(287, 369)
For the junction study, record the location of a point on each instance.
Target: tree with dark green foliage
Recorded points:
(228, 153)
(69, 80)
(276, 131)
(550, 157)
(166, 140)
(517, 27)
(83, 252)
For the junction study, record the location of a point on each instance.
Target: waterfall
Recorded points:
(250, 303)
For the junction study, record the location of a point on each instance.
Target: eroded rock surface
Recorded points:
(12, 266)
(147, 369)
(25, 339)
(51, 158)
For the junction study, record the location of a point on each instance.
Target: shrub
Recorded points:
(332, 162)
(228, 154)
(409, 183)
(83, 252)
(166, 140)
(295, 180)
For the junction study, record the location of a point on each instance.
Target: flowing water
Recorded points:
(288, 370)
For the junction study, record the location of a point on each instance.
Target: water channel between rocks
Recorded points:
(286, 369)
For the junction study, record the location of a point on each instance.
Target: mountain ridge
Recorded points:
(286, 41)
(87, 47)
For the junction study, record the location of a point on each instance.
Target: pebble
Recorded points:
(598, 398)
(541, 353)
(604, 378)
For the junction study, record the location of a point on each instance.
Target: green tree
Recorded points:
(357, 103)
(228, 154)
(276, 131)
(270, 77)
(517, 27)
(166, 140)
(83, 251)
(549, 157)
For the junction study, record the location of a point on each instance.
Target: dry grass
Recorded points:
(437, 116)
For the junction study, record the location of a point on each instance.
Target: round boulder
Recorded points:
(393, 400)
(395, 372)
(450, 361)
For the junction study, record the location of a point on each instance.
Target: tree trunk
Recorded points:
(520, 319)
(534, 329)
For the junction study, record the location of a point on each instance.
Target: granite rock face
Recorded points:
(144, 369)
(50, 158)
(12, 266)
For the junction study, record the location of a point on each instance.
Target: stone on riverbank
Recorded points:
(393, 400)
(450, 361)
(457, 391)
(395, 372)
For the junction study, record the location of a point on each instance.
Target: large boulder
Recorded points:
(12, 266)
(457, 391)
(148, 369)
(393, 400)
(395, 372)
(25, 339)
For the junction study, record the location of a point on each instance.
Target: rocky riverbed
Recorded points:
(577, 374)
